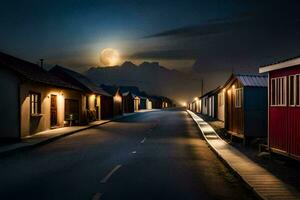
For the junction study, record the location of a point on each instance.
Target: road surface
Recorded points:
(152, 155)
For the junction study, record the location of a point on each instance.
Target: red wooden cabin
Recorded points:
(284, 107)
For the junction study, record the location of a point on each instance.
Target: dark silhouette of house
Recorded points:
(117, 98)
(128, 102)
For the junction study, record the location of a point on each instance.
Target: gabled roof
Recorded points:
(32, 72)
(77, 79)
(291, 62)
(212, 92)
(252, 80)
(249, 80)
(125, 94)
(111, 89)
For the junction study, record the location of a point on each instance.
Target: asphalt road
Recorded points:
(154, 155)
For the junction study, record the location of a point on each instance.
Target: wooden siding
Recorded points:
(106, 107)
(117, 104)
(284, 121)
(234, 117)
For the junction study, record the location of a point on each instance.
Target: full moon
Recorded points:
(109, 57)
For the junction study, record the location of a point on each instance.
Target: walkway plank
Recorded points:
(264, 184)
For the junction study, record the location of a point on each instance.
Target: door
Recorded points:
(53, 110)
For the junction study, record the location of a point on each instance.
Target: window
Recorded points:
(292, 90)
(294, 97)
(35, 103)
(238, 97)
(221, 99)
(278, 91)
(297, 89)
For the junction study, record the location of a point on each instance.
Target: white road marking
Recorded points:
(105, 179)
(97, 196)
(134, 152)
(143, 140)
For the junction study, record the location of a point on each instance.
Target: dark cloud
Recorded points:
(172, 54)
(260, 33)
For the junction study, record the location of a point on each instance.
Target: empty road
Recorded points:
(152, 155)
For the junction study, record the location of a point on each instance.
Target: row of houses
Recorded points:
(256, 106)
(35, 100)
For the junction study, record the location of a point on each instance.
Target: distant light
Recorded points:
(183, 104)
(196, 98)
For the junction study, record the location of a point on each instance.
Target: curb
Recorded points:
(245, 182)
(49, 140)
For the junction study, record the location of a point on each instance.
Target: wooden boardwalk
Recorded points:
(263, 183)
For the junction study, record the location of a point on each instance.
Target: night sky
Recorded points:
(215, 33)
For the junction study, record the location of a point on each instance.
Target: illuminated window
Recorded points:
(278, 91)
(35, 103)
(238, 97)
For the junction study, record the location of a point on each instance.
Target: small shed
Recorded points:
(213, 102)
(204, 104)
(221, 104)
(148, 104)
(143, 103)
(196, 105)
(246, 105)
(117, 98)
(284, 107)
(156, 102)
(128, 102)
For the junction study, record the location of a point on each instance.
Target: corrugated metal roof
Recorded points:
(252, 80)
